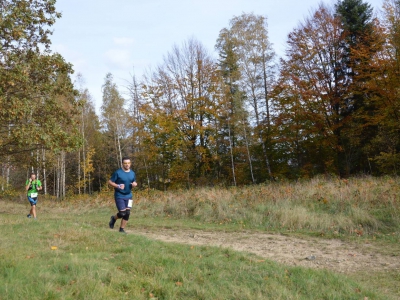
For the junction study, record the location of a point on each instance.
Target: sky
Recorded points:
(126, 37)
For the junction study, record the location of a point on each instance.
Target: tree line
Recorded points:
(330, 105)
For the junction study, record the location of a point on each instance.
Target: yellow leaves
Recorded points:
(287, 274)
(323, 200)
(17, 34)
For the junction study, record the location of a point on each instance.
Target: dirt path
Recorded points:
(335, 255)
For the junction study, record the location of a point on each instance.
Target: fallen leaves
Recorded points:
(359, 232)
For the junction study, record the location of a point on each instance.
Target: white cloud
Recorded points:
(121, 54)
(124, 41)
(120, 58)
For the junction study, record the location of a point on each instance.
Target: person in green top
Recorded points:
(32, 186)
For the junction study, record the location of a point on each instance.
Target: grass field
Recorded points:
(70, 253)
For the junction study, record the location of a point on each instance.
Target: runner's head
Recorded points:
(126, 163)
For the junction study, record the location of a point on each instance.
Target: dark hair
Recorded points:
(33, 174)
(125, 158)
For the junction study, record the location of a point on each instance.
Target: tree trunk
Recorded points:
(248, 152)
(231, 154)
(44, 171)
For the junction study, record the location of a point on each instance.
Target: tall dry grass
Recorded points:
(364, 205)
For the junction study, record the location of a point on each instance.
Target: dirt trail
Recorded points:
(336, 255)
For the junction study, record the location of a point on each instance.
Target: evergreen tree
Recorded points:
(358, 43)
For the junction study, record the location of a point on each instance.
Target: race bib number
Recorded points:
(130, 202)
(34, 195)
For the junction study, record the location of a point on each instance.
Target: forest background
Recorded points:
(330, 106)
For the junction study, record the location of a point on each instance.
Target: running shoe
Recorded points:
(29, 216)
(112, 222)
(122, 230)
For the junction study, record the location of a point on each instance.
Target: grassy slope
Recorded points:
(93, 262)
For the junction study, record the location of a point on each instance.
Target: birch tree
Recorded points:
(249, 34)
(114, 119)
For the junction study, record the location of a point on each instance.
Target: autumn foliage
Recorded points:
(330, 105)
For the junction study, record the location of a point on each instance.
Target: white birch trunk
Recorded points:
(231, 152)
(58, 178)
(248, 152)
(63, 174)
(44, 171)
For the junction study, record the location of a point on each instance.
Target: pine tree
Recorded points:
(358, 39)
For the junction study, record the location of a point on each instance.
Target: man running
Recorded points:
(122, 180)
(33, 185)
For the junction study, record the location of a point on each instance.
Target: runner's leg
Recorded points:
(33, 209)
